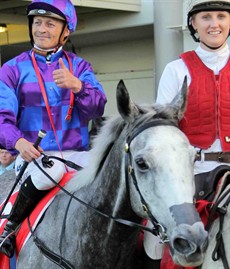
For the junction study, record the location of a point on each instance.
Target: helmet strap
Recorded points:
(45, 53)
(63, 38)
(195, 38)
(212, 48)
(41, 52)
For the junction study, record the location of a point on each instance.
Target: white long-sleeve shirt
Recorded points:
(171, 82)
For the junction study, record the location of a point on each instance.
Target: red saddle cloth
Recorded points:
(24, 232)
(167, 262)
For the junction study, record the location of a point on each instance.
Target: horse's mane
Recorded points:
(109, 133)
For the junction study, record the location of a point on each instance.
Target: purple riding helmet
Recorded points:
(59, 9)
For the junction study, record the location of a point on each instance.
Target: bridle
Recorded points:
(158, 229)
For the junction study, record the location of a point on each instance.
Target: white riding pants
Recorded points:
(57, 171)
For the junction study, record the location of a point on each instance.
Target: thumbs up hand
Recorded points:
(61, 63)
(64, 79)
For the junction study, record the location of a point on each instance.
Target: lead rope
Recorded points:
(219, 250)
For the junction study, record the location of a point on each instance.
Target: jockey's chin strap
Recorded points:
(158, 229)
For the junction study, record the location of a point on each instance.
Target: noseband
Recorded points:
(158, 229)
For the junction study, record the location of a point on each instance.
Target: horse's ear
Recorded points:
(126, 107)
(180, 100)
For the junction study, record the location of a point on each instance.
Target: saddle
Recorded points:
(218, 192)
(208, 183)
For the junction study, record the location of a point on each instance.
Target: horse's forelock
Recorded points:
(151, 112)
(166, 112)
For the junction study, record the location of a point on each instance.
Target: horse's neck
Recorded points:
(111, 180)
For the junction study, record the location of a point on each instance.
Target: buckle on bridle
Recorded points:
(162, 233)
(220, 157)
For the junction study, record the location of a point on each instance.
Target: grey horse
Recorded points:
(141, 166)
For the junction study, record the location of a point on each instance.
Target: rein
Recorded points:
(58, 259)
(121, 221)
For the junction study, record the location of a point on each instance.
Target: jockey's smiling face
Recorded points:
(212, 27)
(46, 32)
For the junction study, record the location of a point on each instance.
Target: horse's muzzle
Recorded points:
(188, 244)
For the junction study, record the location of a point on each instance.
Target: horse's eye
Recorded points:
(142, 164)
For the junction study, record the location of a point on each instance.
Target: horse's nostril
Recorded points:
(182, 245)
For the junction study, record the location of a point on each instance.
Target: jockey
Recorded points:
(207, 117)
(51, 89)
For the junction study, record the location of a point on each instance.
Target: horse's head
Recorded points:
(161, 182)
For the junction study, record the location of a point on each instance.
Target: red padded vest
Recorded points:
(207, 116)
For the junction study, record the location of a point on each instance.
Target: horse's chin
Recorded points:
(193, 260)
